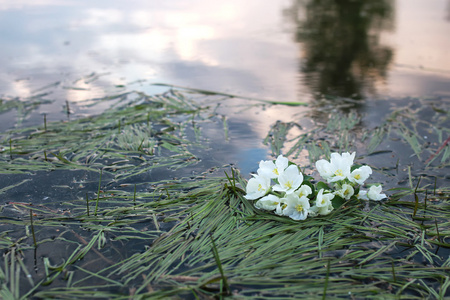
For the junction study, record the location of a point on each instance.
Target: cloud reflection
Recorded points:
(223, 46)
(20, 4)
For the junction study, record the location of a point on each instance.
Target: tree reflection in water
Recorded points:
(448, 11)
(341, 53)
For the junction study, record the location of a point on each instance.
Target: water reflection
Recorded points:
(341, 49)
(448, 11)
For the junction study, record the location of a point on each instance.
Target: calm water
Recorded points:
(289, 50)
(377, 54)
(282, 49)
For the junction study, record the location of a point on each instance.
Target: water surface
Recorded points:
(293, 50)
(379, 65)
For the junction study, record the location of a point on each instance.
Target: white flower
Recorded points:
(338, 168)
(269, 202)
(289, 180)
(360, 175)
(273, 170)
(324, 210)
(297, 207)
(323, 200)
(374, 193)
(313, 211)
(362, 195)
(280, 207)
(324, 168)
(345, 192)
(304, 190)
(347, 157)
(257, 187)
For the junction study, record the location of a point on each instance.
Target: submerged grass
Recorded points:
(23, 107)
(197, 237)
(122, 138)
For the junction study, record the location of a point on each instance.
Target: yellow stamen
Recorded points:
(299, 207)
(339, 172)
(357, 176)
(276, 171)
(288, 185)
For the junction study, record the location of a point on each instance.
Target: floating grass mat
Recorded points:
(214, 93)
(123, 137)
(23, 107)
(126, 232)
(221, 245)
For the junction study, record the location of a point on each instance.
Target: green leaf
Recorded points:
(322, 185)
(337, 201)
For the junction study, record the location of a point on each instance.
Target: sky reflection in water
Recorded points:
(280, 50)
(290, 50)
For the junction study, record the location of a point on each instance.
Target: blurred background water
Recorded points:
(284, 49)
(71, 52)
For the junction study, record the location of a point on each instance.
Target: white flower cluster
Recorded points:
(294, 195)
